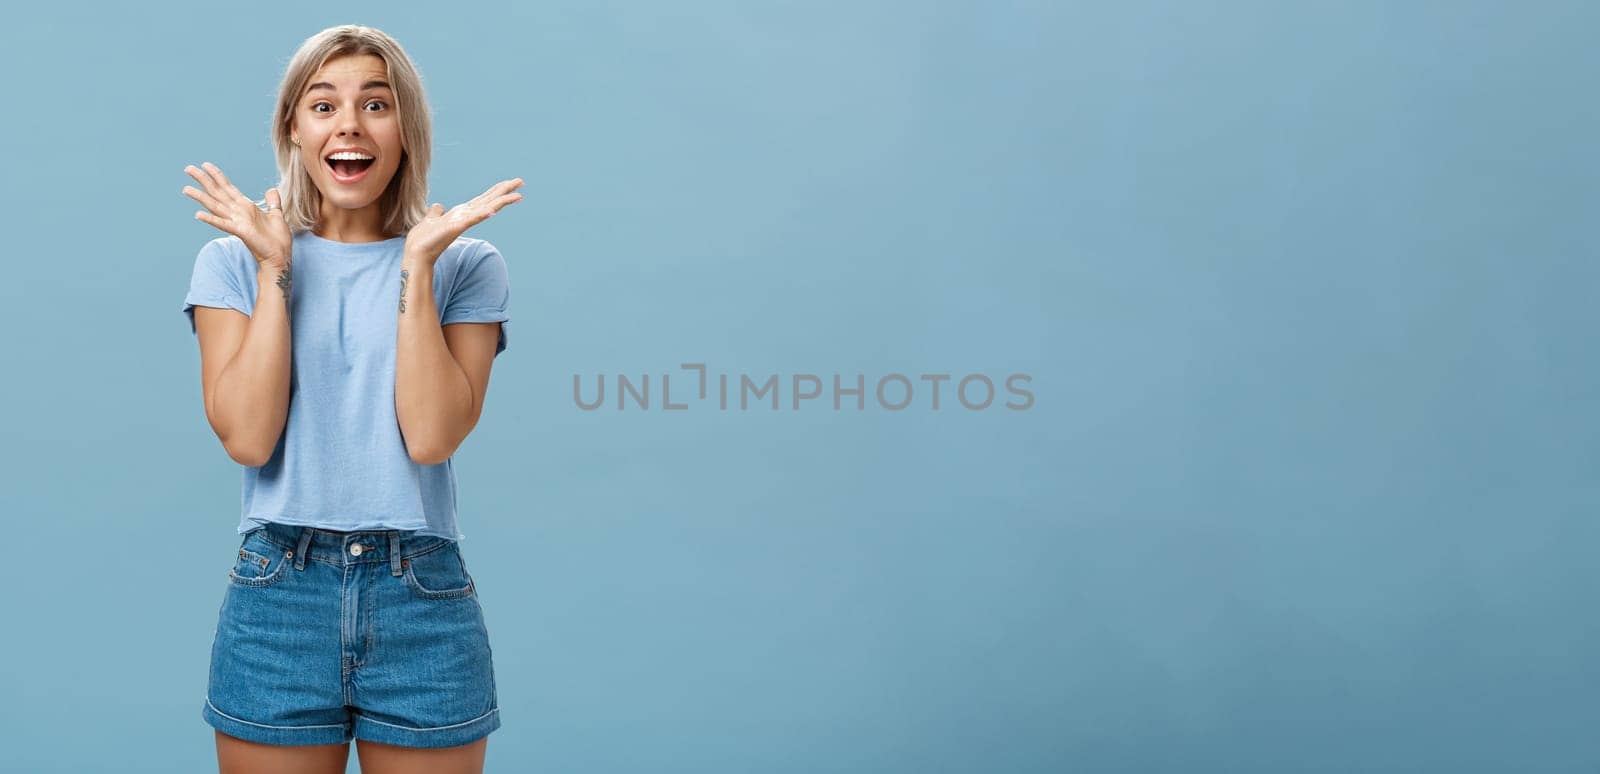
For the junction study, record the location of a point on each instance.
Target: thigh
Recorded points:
(381, 758)
(240, 756)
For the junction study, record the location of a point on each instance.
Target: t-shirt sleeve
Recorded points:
(215, 282)
(481, 294)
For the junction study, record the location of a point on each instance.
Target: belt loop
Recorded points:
(394, 553)
(304, 548)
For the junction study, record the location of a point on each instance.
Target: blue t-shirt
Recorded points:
(341, 462)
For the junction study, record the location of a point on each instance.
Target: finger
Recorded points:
(228, 188)
(274, 200)
(205, 199)
(497, 189)
(203, 177)
(503, 201)
(436, 210)
(216, 173)
(220, 196)
(221, 223)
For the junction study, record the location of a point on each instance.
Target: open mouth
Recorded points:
(349, 167)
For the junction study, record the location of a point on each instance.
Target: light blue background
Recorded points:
(1306, 291)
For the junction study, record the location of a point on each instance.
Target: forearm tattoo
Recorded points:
(284, 281)
(404, 274)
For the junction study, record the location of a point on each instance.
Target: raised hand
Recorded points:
(427, 240)
(264, 232)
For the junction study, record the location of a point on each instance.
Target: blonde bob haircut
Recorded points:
(404, 202)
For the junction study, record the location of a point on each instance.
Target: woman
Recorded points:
(346, 335)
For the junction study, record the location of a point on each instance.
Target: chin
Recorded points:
(347, 203)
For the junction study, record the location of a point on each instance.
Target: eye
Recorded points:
(370, 103)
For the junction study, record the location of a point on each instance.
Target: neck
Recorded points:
(342, 225)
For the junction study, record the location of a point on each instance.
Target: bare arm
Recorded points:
(244, 360)
(244, 365)
(441, 373)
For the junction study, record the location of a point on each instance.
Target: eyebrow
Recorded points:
(368, 86)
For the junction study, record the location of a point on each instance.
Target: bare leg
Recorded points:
(380, 758)
(240, 756)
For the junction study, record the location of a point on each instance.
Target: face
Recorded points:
(349, 106)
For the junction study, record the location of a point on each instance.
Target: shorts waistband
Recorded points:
(378, 546)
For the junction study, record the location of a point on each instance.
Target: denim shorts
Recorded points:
(328, 636)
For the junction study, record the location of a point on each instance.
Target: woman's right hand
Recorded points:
(264, 232)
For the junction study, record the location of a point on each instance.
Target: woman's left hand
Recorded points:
(427, 240)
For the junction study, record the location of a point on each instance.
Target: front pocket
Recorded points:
(256, 569)
(438, 574)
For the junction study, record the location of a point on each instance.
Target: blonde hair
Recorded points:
(404, 202)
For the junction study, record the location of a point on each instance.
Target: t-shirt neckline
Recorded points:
(310, 235)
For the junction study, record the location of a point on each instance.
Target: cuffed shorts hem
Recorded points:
(440, 736)
(337, 733)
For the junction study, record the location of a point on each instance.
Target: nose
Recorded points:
(349, 124)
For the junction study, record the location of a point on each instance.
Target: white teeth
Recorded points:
(349, 156)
